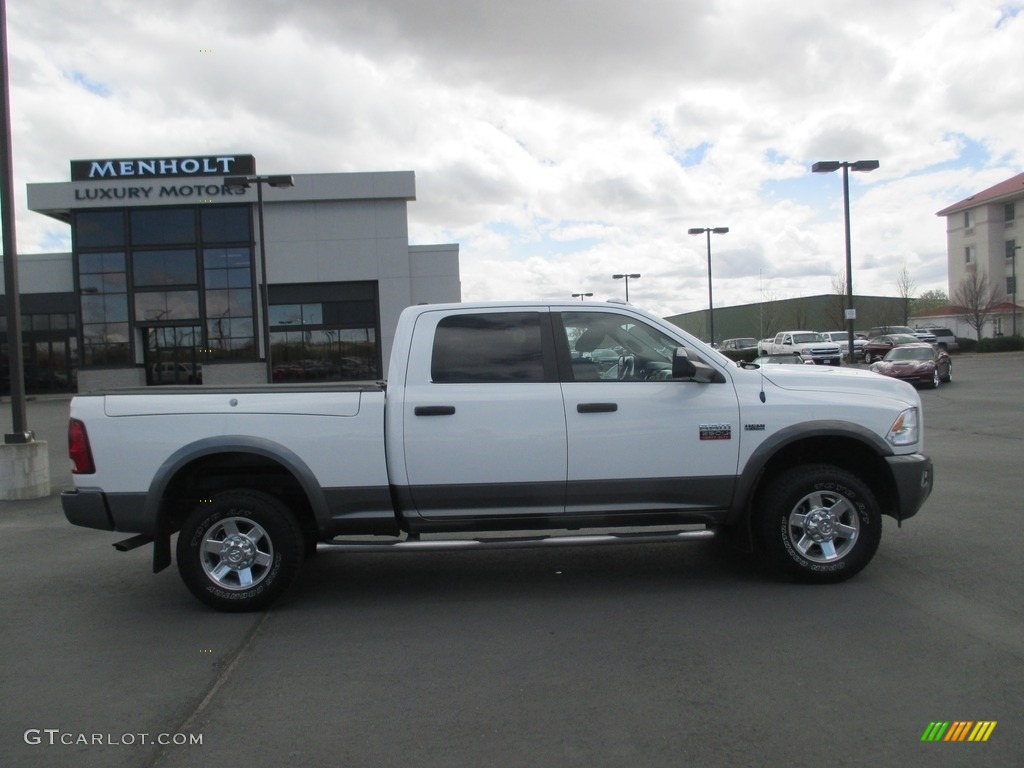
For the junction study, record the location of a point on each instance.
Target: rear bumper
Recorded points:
(92, 508)
(87, 507)
(914, 478)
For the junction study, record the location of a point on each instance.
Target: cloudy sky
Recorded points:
(560, 141)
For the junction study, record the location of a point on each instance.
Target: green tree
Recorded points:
(929, 300)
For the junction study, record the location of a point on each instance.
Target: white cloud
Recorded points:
(561, 141)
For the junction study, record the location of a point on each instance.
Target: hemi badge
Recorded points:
(716, 432)
(754, 427)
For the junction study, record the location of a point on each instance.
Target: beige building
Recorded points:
(984, 234)
(168, 281)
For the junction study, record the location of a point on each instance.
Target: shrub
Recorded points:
(1002, 344)
(967, 345)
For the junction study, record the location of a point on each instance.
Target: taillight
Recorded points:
(79, 450)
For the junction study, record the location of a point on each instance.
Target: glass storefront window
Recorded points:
(225, 224)
(99, 229)
(163, 226)
(151, 268)
(166, 305)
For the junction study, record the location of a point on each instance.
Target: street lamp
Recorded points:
(274, 181)
(828, 166)
(711, 303)
(582, 296)
(633, 275)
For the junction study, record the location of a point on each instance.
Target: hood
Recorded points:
(824, 378)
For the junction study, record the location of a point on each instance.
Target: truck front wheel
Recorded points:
(818, 523)
(239, 551)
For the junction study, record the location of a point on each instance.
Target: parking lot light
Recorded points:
(828, 166)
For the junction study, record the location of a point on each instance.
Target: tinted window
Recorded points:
(225, 224)
(498, 347)
(99, 229)
(164, 267)
(163, 226)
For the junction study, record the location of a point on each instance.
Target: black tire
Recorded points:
(868, 357)
(839, 540)
(239, 551)
(934, 383)
(949, 374)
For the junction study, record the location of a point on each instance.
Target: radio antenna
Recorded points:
(760, 330)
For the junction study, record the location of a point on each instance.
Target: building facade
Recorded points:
(167, 276)
(984, 235)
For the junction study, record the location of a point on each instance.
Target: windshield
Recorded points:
(909, 353)
(807, 338)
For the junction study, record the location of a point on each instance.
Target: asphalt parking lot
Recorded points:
(654, 655)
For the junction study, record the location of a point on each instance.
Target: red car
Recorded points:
(879, 346)
(919, 364)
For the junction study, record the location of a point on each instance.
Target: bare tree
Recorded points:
(906, 287)
(977, 299)
(800, 312)
(771, 313)
(835, 306)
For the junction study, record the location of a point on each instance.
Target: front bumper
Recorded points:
(914, 478)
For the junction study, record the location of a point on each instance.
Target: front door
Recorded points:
(638, 440)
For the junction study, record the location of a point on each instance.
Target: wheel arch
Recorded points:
(211, 465)
(846, 445)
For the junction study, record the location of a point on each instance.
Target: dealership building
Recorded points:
(169, 280)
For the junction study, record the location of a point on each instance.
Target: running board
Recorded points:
(413, 544)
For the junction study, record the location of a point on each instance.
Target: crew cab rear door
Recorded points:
(639, 441)
(483, 422)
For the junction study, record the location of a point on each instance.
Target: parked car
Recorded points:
(922, 334)
(878, 346)
(944, 337)
(783, 360)
(842, 338)
(738, 344)
(920, 364)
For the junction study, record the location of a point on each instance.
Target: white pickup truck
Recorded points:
(806, 343)
(499, 418)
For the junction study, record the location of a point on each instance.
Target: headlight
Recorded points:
(905, 430)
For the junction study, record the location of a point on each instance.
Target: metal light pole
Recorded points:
(19, 420)
(634, 275)
(582, 296)
(711, 301)
(828, 166)
(259, 181)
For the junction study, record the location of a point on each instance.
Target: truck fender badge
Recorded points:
(716, 432)
(753, 427)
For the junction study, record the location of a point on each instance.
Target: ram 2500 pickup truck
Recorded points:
(504, 425)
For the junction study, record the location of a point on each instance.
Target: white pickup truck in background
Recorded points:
(807, 343)
(500, 418)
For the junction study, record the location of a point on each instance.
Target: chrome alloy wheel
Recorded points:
(823, 526)
(237, 553)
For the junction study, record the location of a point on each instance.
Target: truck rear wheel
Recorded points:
(818, 523)
(239, 551)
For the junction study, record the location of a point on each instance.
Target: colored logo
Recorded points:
(959, 730)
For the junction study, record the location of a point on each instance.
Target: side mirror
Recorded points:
(682, 366)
